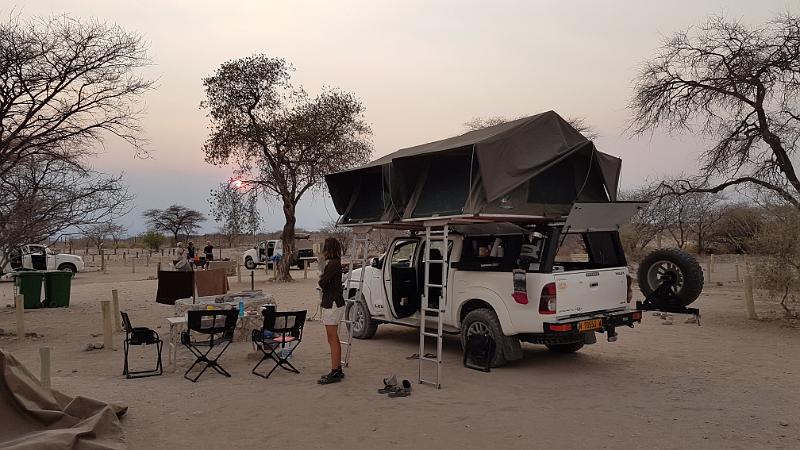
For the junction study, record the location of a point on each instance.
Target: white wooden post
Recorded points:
(238, 270)
(108, 333)
(133, 265)
(19, 304)
(305, 269)
(44, 356)
(711, 263)
(115, 307)
(748, 297)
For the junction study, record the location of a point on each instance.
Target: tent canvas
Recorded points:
(535, 167)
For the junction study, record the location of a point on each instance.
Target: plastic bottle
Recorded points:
(241, 308)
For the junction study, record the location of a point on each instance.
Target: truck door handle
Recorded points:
(594, 285)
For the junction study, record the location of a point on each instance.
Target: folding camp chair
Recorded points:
(140, 336)
(279, 329)
(218, 325)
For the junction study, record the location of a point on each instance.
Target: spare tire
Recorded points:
(673, 264)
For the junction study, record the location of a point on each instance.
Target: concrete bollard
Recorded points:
(19, 305)
(44, 372)
(748, 297)
(108, 333)
(115, 309)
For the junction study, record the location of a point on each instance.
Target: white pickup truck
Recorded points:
(40, 257)
(544, 284)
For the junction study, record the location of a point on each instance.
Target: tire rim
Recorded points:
(664, 271)
(360, 320)
(479, 328)
(67, 269)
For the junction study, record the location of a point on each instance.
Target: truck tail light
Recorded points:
(547, 301)
(520, 297)
(629, 296)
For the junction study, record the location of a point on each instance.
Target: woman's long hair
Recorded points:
(331, 249)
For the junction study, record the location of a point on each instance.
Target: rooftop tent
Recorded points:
(528, 168)
(361, 196)
(531, 167)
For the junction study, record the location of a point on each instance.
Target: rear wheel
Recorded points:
(673, 265)
(249, 263)
(565, 348)
(484, 321)
(67, 267)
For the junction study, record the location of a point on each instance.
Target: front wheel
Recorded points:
(364, 326)
(249, 263)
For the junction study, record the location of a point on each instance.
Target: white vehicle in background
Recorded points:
(40, 257)
(267, 251)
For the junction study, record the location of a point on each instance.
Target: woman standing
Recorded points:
(332, 306)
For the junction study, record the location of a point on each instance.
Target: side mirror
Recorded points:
(376, 263)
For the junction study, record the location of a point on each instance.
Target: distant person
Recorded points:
(180, 262)
(190, 251)
(208, 250)
(332, 306)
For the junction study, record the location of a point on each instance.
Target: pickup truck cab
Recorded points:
(40, 257)
(542, 284)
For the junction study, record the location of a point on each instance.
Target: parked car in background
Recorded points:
(267, 251)
(40, 257)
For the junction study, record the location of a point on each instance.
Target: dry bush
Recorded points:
(778, 271)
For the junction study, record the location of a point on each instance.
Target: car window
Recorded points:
(572, 249)
(36, 250)
(403, 253)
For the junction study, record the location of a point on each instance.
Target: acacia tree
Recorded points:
(283, 140)
(64, 85)
(235, 209)
(174, 219)
(737, 85)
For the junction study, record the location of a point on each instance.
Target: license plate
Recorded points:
(589, 325)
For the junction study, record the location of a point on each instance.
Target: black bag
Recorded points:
(479, 352)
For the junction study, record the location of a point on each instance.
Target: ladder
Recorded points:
(426, 332)
(358, 248)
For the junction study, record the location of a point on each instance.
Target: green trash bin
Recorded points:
(29, 284)
(57, 286)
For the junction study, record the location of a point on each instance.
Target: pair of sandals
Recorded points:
(394, 390)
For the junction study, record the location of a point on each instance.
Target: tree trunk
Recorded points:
(288, 240)
(175, 238)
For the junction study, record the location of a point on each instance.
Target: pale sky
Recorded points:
(421, 68)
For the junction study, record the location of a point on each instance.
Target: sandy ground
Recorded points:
(730, 383)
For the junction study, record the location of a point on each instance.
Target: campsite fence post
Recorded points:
(711, 263)
(103, 261)
(738, 275)
(19, 305)
(44, 373)
(147, 261)
(252, 281)
(115, 308)
(108, 333)
(709, 269)
(748, 297)
(305, 269)
(238, 270)
(133, 265)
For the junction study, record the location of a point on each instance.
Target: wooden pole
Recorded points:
(19, 304)
(158, 268)
(102, 261)
(238, 270)
(748, 297)
(108, 333)
(738, 274)
(712, 263)
(147, 261)
(252, 280)
(709, 269)
(305, 269)
(115, 305)
(44, 356)
(133, 265)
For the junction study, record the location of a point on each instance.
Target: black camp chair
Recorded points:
(218, 325)
(140, 336)
(279, 329)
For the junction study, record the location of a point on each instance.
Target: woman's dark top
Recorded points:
(331, 283)
(190, 252)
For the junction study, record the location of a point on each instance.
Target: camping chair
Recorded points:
(218, 325)
(280, 329)
(140, 336)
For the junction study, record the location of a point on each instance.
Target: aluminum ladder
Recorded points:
(426, 332)
(359, 247)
